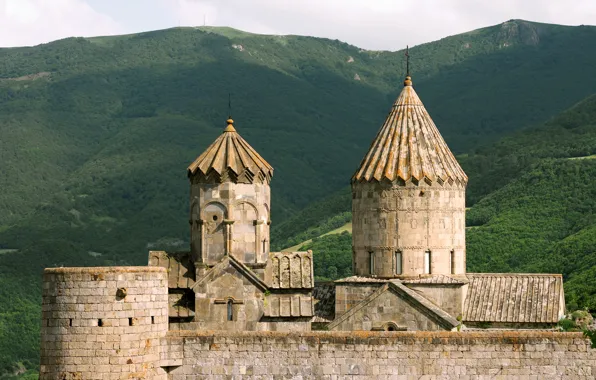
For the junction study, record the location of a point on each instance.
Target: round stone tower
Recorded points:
(230, 202)
(408, 199)
(100, 323)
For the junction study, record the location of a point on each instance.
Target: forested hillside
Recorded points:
(96, 134)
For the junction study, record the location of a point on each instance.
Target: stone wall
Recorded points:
(393, 221)
(103, 323)
(381, 355)
(348, 295)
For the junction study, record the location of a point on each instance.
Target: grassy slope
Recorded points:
(339, 230)
(94, 153)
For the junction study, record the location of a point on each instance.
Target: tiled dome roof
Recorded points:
(231, 158)
(409, 147)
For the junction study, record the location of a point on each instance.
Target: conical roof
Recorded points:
(409, 147)
(231, 158)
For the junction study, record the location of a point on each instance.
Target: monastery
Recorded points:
(408, 257)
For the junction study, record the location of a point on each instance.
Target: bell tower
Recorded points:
(408, 198)
(230, 202)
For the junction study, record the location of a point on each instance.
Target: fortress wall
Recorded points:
(103, 323)
(382, 355)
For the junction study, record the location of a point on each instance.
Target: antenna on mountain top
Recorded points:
(204, 20)
(407, 61)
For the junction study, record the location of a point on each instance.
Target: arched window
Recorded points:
(398, 262)
(427, 261)
(452, 258)
(371, 262)
(230, 310)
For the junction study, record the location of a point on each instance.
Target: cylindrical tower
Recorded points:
(100, 323)
(230, 202)
(408, 199)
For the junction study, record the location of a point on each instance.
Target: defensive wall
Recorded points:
(112, 323)
(382, 355)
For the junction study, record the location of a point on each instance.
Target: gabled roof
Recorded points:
(239, 266)
(432, 311)
(409, 147)
(514, 298)
(231, 158)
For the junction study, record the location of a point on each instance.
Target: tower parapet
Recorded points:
(408, 198)
(98, 322)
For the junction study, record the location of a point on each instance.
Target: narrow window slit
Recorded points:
(152, 320)
(230, 310)
(130, 321)
(70, 322)
(398, 263)
(100, 322)
(427, 262)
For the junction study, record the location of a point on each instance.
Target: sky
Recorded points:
(369, 24)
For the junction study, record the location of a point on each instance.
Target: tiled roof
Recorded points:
(291, 270)
(434, 279)
(323, 295)
(512, 297)
(409, 147)
(231, 158)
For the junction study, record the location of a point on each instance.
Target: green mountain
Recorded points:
(95, 134)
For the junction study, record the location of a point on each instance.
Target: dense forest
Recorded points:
(96, 135)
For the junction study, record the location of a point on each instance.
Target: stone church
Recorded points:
(408, 251)
(230, 280)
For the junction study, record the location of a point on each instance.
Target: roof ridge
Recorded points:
(249, 274)
(359, 306)
(442, 317)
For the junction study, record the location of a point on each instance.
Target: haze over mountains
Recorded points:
(96, 135)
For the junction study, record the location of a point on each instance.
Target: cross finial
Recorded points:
(230, 127)
(408, 81)
(407, 61)
(230, 105)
